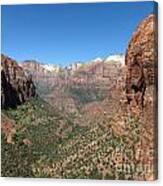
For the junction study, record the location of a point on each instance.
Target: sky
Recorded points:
(66, 33)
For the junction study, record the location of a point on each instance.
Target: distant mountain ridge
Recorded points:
(45, 67)
(48, 76)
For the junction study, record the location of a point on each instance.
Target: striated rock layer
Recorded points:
(141, 61)
(16, 86)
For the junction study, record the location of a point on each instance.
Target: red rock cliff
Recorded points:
(141, 61)
(16, 86)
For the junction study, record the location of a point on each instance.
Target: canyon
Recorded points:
(85, 120)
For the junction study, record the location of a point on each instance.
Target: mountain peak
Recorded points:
(98, 59)
(50, 67)
(117, 58)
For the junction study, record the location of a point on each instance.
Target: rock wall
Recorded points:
(16, 86)
(141, 61)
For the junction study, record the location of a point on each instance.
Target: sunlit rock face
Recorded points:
(141, 61)
(16, 86)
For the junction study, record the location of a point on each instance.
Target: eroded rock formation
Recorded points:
(141, 61)
(16, 86)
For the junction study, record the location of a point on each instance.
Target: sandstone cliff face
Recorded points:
(43, 78)
(141, 61)
(16, 86)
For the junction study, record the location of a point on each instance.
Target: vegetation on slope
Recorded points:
(38, 129)
(96, 154)
(47, 143)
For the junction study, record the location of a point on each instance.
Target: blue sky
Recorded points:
(65, 33)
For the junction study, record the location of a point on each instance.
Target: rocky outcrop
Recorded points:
(141, 61)
(16, 86)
